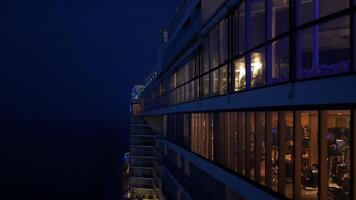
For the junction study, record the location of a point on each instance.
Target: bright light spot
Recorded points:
(256, 64)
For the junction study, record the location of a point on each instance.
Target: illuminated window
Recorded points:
(272, 144)
(250, 145)
(258, 67)
(234, 141)
(223, 140)
(336, 148)
(260, 148)
(239, 74)
(307, 155)
(202, 135)
(286, 159)
(241, 132)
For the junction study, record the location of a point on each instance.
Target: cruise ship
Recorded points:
(250, 99)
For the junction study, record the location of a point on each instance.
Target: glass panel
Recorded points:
(214, 47)
(325, 49)
(191, 69)
(280, 17)
(205, 85)
(223, 140)
(258, 67)
(234, 142)
(223, 80)
(250, 145)
(206, 58)
(191, 91)
(196, 86)
(180, 76)
(272, 118)
(241, 123)
(286, 151)
(258, 22)
(186, 92)
(338, 138)
(314, 9)
(222, 41)
(174, 81)
(186, 72)
(240, 74)
(178, 95)
(214, 82)
(308, 153)
(239, 30)
(181, 93)
(174, 96)
(193, 134)
(280, 60)
(260, 147)
(202, 136)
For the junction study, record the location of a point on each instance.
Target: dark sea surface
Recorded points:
(61, 159)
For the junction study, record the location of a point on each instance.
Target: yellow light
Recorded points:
(256, 64)
(241, 70)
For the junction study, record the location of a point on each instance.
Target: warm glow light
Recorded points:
(256, 64)
(241, 70)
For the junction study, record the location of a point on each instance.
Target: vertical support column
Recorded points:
(324, 162)
(353, 153)
(248, 33)
(248, 145)
(200, 130)
(216, 140)
(230, 141)
(257, 147)
(241, 142)
(234, 135)
(192, 132)
(211, 131)
(281, 154)
(189, 116)
(268, 149)
(297, 154)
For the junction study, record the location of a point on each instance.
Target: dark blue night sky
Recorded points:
(66, 72)
(77, 58)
